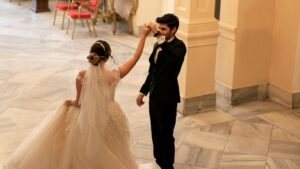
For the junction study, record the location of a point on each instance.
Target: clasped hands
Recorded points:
(150, 27)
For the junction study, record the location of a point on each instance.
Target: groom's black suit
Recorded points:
(163, 86)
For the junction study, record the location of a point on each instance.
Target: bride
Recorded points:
(89, 132)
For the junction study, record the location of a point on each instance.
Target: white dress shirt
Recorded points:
(160, 40)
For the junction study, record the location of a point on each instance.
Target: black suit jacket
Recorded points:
(162, 81)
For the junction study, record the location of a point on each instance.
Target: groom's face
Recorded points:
(165, 31)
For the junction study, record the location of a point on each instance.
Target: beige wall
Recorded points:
(167, 6)
(284, 73)
(244, 47)
(149, 10)
(226, 43)
(253, 43)
(198, 29)
(200, 70)
(225, 61)
(259, 42)
(296, 87)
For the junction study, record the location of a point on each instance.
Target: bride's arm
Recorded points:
(79, 85)
(127, 66)
(78, 89)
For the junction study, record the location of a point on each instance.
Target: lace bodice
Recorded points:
(112, 77)
(116, 75)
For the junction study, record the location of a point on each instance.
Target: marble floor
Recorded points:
(38, 62)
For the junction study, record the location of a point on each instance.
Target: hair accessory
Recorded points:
(101, 46)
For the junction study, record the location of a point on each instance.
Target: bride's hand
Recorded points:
(71, 102)
(146, 30)
(139, 100)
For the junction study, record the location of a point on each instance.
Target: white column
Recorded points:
(199, 30)
(285, 69)
(244, 50)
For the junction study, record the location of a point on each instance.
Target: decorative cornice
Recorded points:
(227, 31)
(190, 21)
(199, 39)
(202, 35)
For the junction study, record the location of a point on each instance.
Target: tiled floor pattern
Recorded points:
(38, 62)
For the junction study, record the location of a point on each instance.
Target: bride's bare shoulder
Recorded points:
(113, 71)
(81, 74)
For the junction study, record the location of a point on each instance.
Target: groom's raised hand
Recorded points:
(139, 99)
(153, 27)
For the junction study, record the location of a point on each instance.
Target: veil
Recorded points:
(94, 101)
(86, 140)
(81, 138)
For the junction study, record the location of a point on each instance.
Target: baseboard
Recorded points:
(241, 95)
(197, 104)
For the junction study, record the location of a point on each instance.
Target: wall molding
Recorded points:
(197, 104)
(199, 39)
(202, 35)
(257, 92)
(286, 98)
(198, 21)
(241, 95)
(227, 31)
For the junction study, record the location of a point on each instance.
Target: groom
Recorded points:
(165, 64)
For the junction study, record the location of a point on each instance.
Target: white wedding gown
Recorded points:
(92, 136)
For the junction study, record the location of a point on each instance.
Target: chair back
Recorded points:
(94, 4)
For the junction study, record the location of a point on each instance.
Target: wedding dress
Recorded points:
(92, 136)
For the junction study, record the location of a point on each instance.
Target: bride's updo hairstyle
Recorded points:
(100, 51)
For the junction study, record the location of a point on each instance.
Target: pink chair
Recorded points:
(86, 11)
(63, 6)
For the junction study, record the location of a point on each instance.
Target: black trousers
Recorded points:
(163, 119)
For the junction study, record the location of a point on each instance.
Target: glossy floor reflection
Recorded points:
(38, 64)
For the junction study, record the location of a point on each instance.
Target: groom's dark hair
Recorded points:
(170, 19)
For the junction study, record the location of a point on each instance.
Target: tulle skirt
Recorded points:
(59, 142)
